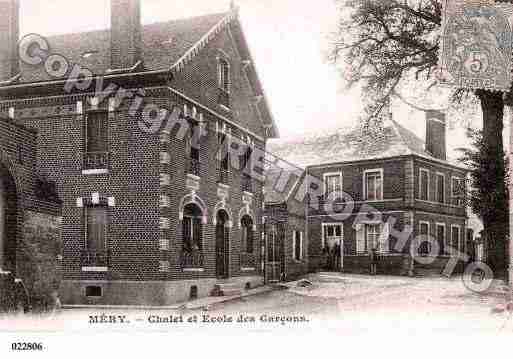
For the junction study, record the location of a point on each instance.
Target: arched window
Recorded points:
(192, 229)
(224, 75)
(247, 234)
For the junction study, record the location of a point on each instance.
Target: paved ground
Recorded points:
(362, 303)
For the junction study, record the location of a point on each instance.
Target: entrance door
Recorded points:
(222, 246)
(275, 266)
(333, 246)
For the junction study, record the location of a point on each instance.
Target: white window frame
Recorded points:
(436, 183)
(294, 243)
(420, 183)
(105, 227)
(459, 236)
(428, 232)
(365, 193)
(452, 190)
(331, 174)
(441, 224)
(324, 225)
(372, 223)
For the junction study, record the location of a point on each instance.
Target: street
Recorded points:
(357, 304)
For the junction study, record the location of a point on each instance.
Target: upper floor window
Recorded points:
(332, 183)
(373, 185)
(245, 166)
(440, 188)
(297, 245)
(424, 184)
(192, 149)
(96, 147)
(458, 191)
(223, 153)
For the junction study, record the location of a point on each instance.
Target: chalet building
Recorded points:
(286, 236)
(366, 187)
(150, 213)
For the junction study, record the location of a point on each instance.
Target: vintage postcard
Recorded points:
(212, 177)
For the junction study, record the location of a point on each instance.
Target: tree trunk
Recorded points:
(496, 218)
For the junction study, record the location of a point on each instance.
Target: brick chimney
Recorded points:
(435, 134)
(126, 37)
(9, 37)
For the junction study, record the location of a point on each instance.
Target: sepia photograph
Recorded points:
(333, 172)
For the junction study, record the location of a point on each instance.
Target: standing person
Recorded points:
(373, 261)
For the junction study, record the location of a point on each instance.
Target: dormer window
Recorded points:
(224, 75)
(224, 82)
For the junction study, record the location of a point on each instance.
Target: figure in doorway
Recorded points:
(373, 259)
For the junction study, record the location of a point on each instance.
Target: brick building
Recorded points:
(152, 212)
(286, 239)
(381, 189)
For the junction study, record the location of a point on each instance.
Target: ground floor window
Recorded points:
(297, 245)
(192, 229)
(425, 246)
(96, 226)
(371, 236)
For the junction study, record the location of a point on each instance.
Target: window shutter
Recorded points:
(360, 239)
(383, 239)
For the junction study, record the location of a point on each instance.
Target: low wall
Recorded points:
(150, 293)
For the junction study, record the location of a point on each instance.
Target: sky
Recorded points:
(289, 40)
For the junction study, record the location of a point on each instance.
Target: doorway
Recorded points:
(222, 245)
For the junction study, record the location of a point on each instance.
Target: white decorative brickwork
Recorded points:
(165, 137)
(164, 266)
(165, 201)
(163, 242)
(164, 223)
(165, 158)
(165, 179)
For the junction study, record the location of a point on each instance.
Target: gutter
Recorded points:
(56, 82)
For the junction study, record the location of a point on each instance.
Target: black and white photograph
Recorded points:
(213, 176)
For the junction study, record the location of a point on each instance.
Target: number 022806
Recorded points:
(27, 346)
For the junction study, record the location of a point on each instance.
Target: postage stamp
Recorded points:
(148, 188)
(476, 48)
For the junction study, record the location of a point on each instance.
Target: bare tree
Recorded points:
(387, 44)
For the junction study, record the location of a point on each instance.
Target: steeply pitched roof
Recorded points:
(163, 45)
(354, 145)
(166, 46)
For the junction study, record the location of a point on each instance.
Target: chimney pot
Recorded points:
(126, 33)
(9, 37)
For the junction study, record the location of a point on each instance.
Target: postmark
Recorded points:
(477, 45)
